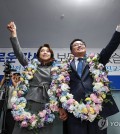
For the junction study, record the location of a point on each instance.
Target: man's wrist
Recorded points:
(118, 28)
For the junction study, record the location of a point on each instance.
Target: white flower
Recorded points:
(96, 72)
(98, 85)
(64, 87)
(69, 95)
(63, 99)
(33, 123)
(92, 69)
(54, 88)
(81, 106)
(95, 58)
(13, 99)
(100, 66)
(104, 89)
(89, 59)
(28, 114)
(54, 68)
(91, 117)
(50, 93)
(26, 82)
(71, 108)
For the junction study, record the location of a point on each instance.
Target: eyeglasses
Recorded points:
(78, 44)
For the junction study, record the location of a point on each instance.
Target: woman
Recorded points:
(37, 95)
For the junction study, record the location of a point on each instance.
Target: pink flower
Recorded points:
(42, 114)
(87, 106)
(14, 106)
(54, 108)
(90, 63)
(95, 99)
(106, 79)
(54, 73)
(24, 124)
(97, 108)
(17, 118)
(98, 79)
(58, 94)
(70, 101)
(58, 90)
(33, 117)
(91, 55)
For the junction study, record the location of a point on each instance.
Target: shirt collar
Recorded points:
(76, 58)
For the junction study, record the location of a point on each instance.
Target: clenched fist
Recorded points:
(12, 28)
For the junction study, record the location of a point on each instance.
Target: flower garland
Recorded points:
(59, 89)
(19, 111)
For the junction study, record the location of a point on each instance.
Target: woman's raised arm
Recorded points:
(15, 44)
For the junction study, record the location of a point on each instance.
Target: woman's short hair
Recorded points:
(51, 51)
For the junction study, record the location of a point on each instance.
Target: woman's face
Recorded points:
(45, 54)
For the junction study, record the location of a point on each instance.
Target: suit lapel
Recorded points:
(74, 68)
(84, 67)
(73, 65)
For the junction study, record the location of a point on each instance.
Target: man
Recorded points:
(9, 121)
(81, 84)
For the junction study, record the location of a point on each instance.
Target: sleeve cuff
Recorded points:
(118, 28)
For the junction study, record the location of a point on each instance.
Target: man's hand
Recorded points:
(118, 28)
(13, 78)
(2, 81)
(63, 114)
(12, 28)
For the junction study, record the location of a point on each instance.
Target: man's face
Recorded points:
(78, 49)
(16, 78)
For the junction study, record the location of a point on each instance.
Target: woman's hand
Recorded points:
(12, 28)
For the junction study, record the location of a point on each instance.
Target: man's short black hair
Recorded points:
(74, 41)
(17, 74)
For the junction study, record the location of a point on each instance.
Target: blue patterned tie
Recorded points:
(79, 67)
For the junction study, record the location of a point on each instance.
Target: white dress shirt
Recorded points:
(77, 61)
